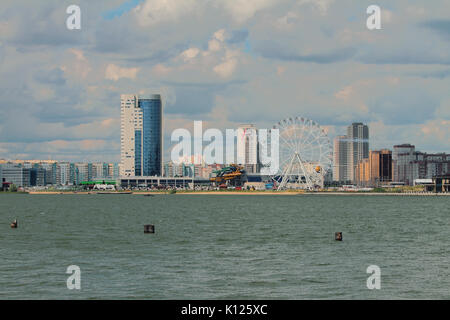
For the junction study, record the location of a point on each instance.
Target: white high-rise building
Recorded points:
(130, 119)
(99, 170)
(247, 147)
(63, 173)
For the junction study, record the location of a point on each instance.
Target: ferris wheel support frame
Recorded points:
(287, 173)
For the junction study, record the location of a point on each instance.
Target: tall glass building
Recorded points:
(152, 135)
(141, 135)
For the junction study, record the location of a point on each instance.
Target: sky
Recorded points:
(224, 62)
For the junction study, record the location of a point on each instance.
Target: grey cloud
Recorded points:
(159, 56)
(408, 106)
(197, 98)
(442, 27)
(273, 50)
(408, 56)
(54, 76)
(439, 74)
(41, 26)
(238, 36)
(192, 101)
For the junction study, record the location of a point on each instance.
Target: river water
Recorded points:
(224, 246)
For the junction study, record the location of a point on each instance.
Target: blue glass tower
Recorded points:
(151, 136)
(138, 152)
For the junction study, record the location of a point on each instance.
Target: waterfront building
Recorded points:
(441, 183)
(99, 170)
(50, 174)
(154, 182)
(380, 167)
(375, 170)
(141, 135)
(37, 177)
(247, 147)
(206, 171)
(58, 173)
(83, 172)
(357, 147)
(113, 170)
(340, 157)
(362, 172)
(174, 170)
(402, 157)
(63, 176)
(409, 164)
(16, 174)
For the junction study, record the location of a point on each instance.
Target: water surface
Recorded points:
(224, 247)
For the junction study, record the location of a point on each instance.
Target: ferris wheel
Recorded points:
(305, 154)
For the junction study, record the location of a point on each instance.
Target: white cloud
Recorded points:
(220, 35)
(153, 12)
(189, 54)
(75, 64)
(226, 68)
(321, 5)
(214, 45)
(345, 93)
(114, 72)
(242, 10)
(161, 69)
(437, 130)
(79, 54)
(219, 58)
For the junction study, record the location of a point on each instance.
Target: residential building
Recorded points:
(340, 158)
(375, 170)
(380, 167)
(247, 147)
(402, 157)
(358, 146)
(16, 174)
(409, 164)
(362, 172)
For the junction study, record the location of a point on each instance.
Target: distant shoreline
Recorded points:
(280, 193)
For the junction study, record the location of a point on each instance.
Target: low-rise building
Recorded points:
(441, 183)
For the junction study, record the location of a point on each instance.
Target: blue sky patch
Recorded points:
(125, 7)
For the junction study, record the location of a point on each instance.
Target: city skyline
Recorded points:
(256, 62)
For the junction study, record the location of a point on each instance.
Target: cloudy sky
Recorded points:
(225, 62)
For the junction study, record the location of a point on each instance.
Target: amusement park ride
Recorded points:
(232, 175)
(305, 154)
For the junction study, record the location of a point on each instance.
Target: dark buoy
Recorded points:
(338, 236)
(149, 228)
(14, 224)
